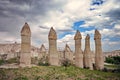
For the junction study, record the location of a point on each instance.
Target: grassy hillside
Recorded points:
(56, 73)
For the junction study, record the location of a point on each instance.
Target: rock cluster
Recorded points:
(82, 59)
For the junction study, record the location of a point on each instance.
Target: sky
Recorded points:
(65, 16)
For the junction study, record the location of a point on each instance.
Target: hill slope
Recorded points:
(56, 73)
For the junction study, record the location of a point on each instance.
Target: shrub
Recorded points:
(66, 62)
(105, 70)
(3, 75)
(109, 60)
(1, 61)
(113, 60)
(34, 60)
(43, 62)
(12, 60)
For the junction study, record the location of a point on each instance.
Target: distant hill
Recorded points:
(13, 50)
(112, 53)
(14, 47)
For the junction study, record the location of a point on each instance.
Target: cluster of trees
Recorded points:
(113, 60)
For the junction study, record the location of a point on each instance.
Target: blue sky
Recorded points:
(66, 16)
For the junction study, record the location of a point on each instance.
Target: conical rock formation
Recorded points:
(53, 53)
(78, 51)
(99, 62)
(87, 53)
(25, 54)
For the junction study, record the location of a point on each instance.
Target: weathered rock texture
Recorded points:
(68, 54)
(78, 51)
(53, 54)
(25, 54)
(99, 62)
(55, 57)
(43, 52)
(87, 54)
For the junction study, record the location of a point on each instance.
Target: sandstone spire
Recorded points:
(52, 34)
(87, 53)
(25, 55)
(42, 48)
(26, 30)
(53, 54)
(43, 52)
(67, 48)
(78, 51)
(99, 62)
(77, 35)
(68, 53)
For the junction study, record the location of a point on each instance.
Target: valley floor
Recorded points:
(56, 73)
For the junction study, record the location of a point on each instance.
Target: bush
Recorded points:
(12, 60)
(66, 62)
(1, 62)
(3, 74)
(34, 60)
(116, 59)
(113, 60)
(109, 60)
(43, 62)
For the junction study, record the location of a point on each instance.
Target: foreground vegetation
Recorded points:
(66, 72)
(56, 73)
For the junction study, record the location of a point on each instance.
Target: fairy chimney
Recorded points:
(78, 51)
(87, 53)
(25, 58)
(53, 54)
(68, 53)
(99, 62)
(43, 52)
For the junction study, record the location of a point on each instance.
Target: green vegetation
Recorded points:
(43, 61)
(21, 78)
(56, 73)
(34, 60)
(40, 63)
(113, 60)
(1, 61)
(9, 61)
(112, 66)
(12, 60)
(66, 63)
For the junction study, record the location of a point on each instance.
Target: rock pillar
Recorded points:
(78, 51)
(53, 54)
(43, 52)
(68, 53)
(25, 54)
(87, 54)
(99, 62)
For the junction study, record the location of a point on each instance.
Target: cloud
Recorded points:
(7, 38)
(60, 14)
(104, 15)
(109, 45)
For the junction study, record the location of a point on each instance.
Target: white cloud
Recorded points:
(61, 14)
(68, 39)
(109, 45)
(117, 26)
